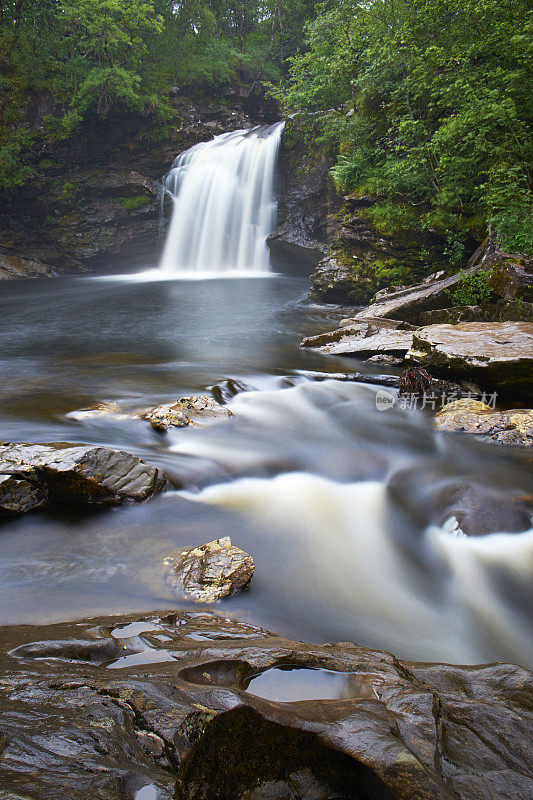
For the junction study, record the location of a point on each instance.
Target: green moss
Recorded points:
(134, 202)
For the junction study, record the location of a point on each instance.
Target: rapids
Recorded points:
(348, 510)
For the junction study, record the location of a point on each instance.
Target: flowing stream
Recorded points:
(356, 517)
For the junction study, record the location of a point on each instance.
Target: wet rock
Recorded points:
(494, 354)
(409, 303)
(473, 511)
(226, 390)
(212, 571)
(391, 361)
(512, 427)
(95, 411)
(397, 729)
(14, 266)
(307, 203)
(363, 338)
(183, 412)
(18, 495)
(73, 473)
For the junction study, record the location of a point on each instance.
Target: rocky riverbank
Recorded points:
(198, 707)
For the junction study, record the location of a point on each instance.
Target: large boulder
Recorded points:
(410, 302)
(363, 338)
(509, 279)
(494, 354)
(199, 707)
(74, 473)
(212, 571)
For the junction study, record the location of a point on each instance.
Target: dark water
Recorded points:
(348, 511)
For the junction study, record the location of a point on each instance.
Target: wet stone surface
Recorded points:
(211, 571)
(71, 727)
(72, 473)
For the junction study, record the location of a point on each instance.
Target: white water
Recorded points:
(350, 560)
(224, 204)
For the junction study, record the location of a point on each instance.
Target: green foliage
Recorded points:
(77, 62)
(428, 103)
(473, 289)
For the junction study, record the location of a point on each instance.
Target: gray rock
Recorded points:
(212, 571)
(363, 338)
(18, 495)
(403, 730)
(73, 473)
(493, 354)
(15, 266)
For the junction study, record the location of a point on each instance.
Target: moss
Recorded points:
(134, 202)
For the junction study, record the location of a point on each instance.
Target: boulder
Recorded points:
(410, 302)
(493, 354)
(509, 278)
(212, 571)
(513, 427)
(77, 473)
(183, 412)
(18, 495)
(363, 338)
(183, 710)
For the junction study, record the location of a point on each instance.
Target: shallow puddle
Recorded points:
(289, 685)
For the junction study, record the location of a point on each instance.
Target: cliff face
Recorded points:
(306, 208)
(94, 204)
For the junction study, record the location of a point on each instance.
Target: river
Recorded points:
(347, 510)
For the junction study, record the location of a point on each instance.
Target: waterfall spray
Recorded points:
(224, 205)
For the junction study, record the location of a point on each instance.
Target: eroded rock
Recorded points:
(192, 726)
(212, 571)
(74, 473)
(513, 427)
(493, 354)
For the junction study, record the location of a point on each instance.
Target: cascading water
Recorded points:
(224, 204)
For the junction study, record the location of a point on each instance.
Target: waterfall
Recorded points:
(224, 205)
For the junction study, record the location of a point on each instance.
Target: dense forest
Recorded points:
(424, 104)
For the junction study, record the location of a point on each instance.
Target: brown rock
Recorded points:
(213, 570)
(18, 495)
(513, 427)
(392, 730)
